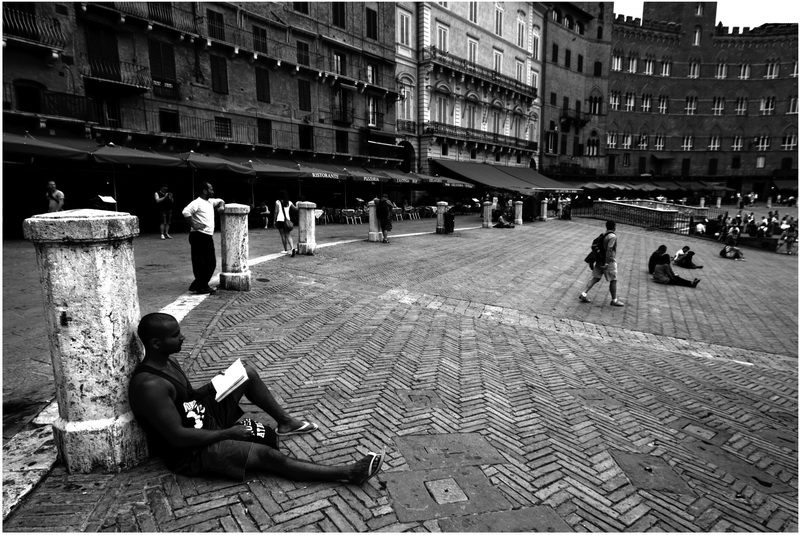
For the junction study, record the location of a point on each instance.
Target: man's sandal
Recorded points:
(374, 466)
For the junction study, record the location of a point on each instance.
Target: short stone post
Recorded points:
(374, 226)
(769, 202)
(719, 202)
(702, 202)
(441, 209)
(307, 232)
(91, 308)
(487, 214)
(235, 274)
(543, 216)
(517, 212)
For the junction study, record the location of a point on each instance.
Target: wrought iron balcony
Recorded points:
(406, 126)
(342, 114)
(478, 136)
(116, 72)
(574, 117)
(51, 103)
(462, 65)
(30, 28)
(166, 89)
(166, 13)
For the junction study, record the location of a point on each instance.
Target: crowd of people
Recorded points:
(733, 227)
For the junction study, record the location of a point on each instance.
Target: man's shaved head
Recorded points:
(155, 325)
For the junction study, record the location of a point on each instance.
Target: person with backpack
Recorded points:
(603, 261)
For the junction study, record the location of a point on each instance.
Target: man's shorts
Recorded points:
(610, 271)
(226, 457)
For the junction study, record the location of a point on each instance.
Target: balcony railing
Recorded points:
(478, 136)
(166, 13)
(406, 126)
(342, 114)
(53, 104)
(463, 65)
(121, 72)
(166, 89)
(574, 117)
(32, 28)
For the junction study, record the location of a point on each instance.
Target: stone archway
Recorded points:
(408, 164)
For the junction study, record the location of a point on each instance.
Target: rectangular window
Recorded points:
(342, 142)
(498, 61)
(611, 140)
(260, 39)
(761, 162)
(647, 102)
(768, 106)
(338, 14)
(223, 128)
(498, 21)
(580, 63)
(442, 38)
(663, 102)
(404, 31)
(303, 54)
(642, 143)
(633, 63)
(649, 66)
(789, 142)
(441, 109)
(162, 61)
(305, 135)
(304, 95)
(535, 79)
(372, 24)
(772, 70)
(264, 131)
(687, 143)
(473, 12)
(520, 33)
(714, 143)
(691, 105)
(520, 71)
(659, 143)
(616, 62)
(626, 141)
(168, 121)
(792, 105)
(339, 63)
(472, 51)
(536, 47)
(554, 57)
(718, 106)
(694, 70)
(744, 71)
(216, 24)
(219, 74)
(567, 58)
(737, 143)
(741, 106)
(470, 113)
(372, 74)
(614, 100)
(666, 68)
(630, 102)
(712, 166)
(372, 111)
(722, 71)
(262, 84)
(763, 142)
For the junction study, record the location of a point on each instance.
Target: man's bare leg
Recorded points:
(257, 392)
(268, 460)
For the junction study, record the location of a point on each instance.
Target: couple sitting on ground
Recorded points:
(197, 435)
(659, 267)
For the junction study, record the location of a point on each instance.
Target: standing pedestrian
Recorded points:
(383, 211)
(283, 207)
(164, 201)
(55, 198)
(199, 215)
(607, 268)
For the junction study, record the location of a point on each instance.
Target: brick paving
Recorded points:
(677, 412)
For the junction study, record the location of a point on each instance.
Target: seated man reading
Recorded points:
(196, 435)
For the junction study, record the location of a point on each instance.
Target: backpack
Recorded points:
(598, 253)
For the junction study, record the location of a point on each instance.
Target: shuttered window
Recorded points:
(262, 85)
(219, 74)
(162, 61)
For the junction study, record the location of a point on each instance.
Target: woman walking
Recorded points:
(283, 207)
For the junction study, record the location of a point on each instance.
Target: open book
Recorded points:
(227, 382)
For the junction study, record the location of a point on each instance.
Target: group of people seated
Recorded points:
(659, 266)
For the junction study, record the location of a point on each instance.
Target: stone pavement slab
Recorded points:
(485, 325)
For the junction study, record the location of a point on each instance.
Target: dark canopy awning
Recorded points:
(212, 163)
(268, 168)
(396, 176)
(485, 174)
(536, 179)
(30, 146)
(112, 154)
(787, 184)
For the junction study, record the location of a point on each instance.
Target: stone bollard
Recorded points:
(235, 274)
(702, 202)
(374, 226)
(517, 212)
(543, 217)
(487, 214)
(307, 232)
(91, 308)
(441, 209)
(719, 202)
(769, 202)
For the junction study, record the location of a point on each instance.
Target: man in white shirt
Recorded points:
(199, 215)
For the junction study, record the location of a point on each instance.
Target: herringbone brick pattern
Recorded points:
(494, 343)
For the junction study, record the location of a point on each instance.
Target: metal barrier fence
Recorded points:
(677, 219)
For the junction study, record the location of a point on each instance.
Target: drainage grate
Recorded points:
(649, 472)
(700, 430)
(425, 452)
(419, 399)
(420, 495)
(537, 519)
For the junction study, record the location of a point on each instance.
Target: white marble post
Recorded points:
(719, 202)
(702, 202)
(543, 216)
(91, 310)
(441, 209)
(517, 212)
(307, 233)
(769, 202)
(374, 226)
(487, 215)
(235, 274)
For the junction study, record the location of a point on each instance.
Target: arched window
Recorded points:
(698, 32)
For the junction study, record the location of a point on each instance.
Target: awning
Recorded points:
(361, 174)
(322, 170)
(396, 176)
(428, 178)
(30, 146)
(268, 168)
(536, 179)
(453, 183)
(787, 184)
(115, 155)
(666, 185)
(212, 163)
(485, 174)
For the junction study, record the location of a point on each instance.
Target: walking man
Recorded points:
(55, 198)
(384, 213)
(607, 267)
(199, 215)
